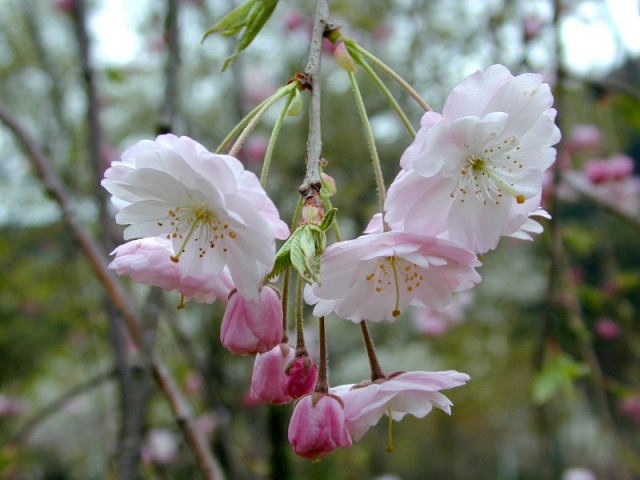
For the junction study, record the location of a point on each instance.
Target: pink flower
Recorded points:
(268, 377)
(470, 166)
(630, 406)
(214, 212)
(317, 426)
(433, 323)
(607, 328)
(148, 261)
(401, 393)
(610, 181)
(532, 26)
(161, 447)
(376, 276)
(252, 326)
(301, 376)
(584, 137)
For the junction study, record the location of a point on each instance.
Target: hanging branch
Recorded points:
(207, 463)
(312, 179)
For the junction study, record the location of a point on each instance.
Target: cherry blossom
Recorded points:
(212, 209)
(317, 426)
(401, 393)
(471, 165)
(376, 276)
(148, 261)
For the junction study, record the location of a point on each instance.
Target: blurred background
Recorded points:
(551, 337)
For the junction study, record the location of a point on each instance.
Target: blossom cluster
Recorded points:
(200, 224)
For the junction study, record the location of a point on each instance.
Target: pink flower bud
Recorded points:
(583, 138)
(317, 426)
(252, 326)
(329, 184)
(343, 59)
(607, 329)
(597, 171)
(268, 378)
(301, 376)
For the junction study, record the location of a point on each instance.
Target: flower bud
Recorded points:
(300, 377)
(317, 426)
(328, 184)
(268, 378)
(342, 57)
(252, 326)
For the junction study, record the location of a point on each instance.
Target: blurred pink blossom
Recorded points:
(607, 328)
(630, 407)
(584, 138)
(161, 447)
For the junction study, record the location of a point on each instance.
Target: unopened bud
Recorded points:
(343, 58)
(328, 184)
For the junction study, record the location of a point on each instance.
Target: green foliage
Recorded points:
(557, 376)
(249, 17)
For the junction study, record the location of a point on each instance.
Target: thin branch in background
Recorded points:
(56, 405)
(171, 69)
(140, 370)
(56, 94)
(206, 461)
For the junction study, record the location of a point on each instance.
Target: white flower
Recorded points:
(214, 212)
(470, 166)
(401, 393)
(376, 276)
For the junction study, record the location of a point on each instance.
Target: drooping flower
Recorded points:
(268, 377)
(401, 393)
(317, 426)
(214, 212)
(252, 326)
(148, 261)
(376, 276)
(471, 165)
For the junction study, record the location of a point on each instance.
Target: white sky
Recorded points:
(592, 35)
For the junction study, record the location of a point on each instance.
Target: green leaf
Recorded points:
(327, 221)
(233, 22)
(557, 376)
(303, 251)
(249, 17)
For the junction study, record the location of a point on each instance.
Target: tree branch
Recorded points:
(312, 178)
(121, 301)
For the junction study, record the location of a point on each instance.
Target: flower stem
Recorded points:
(322, 385)
(282, 91)
(352, 45)
(386, 92)
(373, 152)
(299, 318)
(272, 141)
(376, 370)
(389, 432)
(238, 128)
(285, 302)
